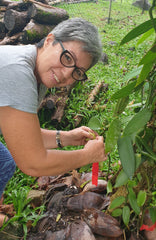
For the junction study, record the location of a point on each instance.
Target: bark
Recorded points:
(19, 6)
(15, 21)
(11, 40)
(47, 15)
(2, 30)
(34, 32)
(56, 103)
(5, 2)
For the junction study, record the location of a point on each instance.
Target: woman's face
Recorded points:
(50, 71)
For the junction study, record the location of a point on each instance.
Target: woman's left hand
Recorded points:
(79, 136)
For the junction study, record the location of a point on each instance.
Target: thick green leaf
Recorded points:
(113, 134)
(117, 202)
(149, 57)
(133, 201)
(121, 105)
(121, 179)
(117, 212)
(125, 91)
(109, 187)
(94, 123)
(126, 154)
(126, 215)
(137, 122)
(144, 73)
(142, 28)
(141, 198)
(145, 36)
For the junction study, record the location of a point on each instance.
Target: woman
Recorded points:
(26, 72)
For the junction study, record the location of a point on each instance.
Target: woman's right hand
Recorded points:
(95, 150)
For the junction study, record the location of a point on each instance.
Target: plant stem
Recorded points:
(151, 14)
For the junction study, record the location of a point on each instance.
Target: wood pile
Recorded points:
(27, 22)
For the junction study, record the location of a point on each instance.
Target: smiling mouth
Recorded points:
(56, 78)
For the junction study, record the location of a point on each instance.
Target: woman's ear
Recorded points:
(49, 39)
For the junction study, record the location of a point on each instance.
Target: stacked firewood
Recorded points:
(27, 22)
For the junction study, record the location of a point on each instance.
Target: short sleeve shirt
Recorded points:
(18, 84)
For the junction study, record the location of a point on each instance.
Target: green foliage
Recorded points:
(135, 145)
(117, 202)
(95, 124)
(142, 28)
(23, 211)
(112, 135)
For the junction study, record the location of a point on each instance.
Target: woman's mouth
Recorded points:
(56, 78)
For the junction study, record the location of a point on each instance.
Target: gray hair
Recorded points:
(78, 29)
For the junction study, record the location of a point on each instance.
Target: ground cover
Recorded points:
(121, 60)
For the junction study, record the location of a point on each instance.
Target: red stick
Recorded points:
(147, 228)
(95, 170)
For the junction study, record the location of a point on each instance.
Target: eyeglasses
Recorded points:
(68, 60)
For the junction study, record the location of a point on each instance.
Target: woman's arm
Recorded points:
(76, 137)
(22, 133)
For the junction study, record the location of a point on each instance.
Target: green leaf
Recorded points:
(126, 154)
(137, 159)
(137, 122)
(121, 105)
(133, 201)
(125, 91)
(152, 212)
(144, 73)
(121, 179)
(112, 135)
(142, 28)
(109, 187)
(145, 36)
(141, 198)
(117, 212)
(149, 57)
(134, 73)
(117, 202)
(126, 215)
(94, 123)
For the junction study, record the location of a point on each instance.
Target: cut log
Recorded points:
(34, 32)
(19, 6)
(5, 2)
(15, 21)
(11, 40)
(46, 15)
(2, 30)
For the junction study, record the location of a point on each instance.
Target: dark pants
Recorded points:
(7, 167)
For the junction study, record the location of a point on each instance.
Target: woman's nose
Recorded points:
(67, 72)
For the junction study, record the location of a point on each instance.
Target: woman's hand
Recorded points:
(95, 150)
(78, 136)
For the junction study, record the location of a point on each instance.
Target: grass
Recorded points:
(121, 60)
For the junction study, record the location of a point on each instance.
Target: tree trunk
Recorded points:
(47, 15)
(34, 32)
(15, 21)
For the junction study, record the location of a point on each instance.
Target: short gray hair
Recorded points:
(79, 29)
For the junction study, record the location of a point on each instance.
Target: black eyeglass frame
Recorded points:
(75, 67)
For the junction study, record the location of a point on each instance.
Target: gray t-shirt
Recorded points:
(18, 84)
